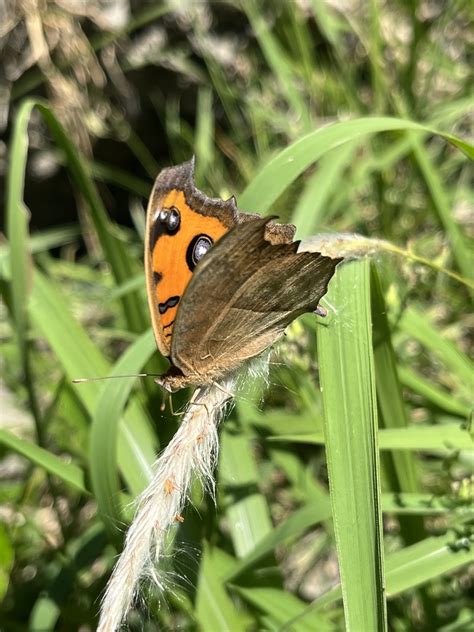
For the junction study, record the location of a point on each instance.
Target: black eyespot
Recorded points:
(197, 248)
(171, 218)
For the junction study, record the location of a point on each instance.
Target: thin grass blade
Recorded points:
(70, 473)
(79, 358)
(105, 428)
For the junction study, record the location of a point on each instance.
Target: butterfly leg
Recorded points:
(175, 413)
(225, 391)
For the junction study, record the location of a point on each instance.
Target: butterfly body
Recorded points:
(222, 285)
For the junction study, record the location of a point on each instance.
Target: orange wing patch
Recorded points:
(177, 237)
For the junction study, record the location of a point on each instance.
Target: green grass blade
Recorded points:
(17, 227)
(432, 392)
(114, 248)
(278, 61)
(80, 358)
(459, 246)
(135, 283)
(40, 242)
(214, 608)
(418, 326)
(21, 272)
(105, 427)
(7, 559)
(417, 564)
(399, 467)
(204, 141)
(294, 526)
(350, 409)
(124, 179)
(281, 607)
(410, 568)
(329, 22)
(44, 614)
(282, 170)
(423, 504)
(70, 473)
(464, 621)
(311, 210)
(444, 438)
(247, 512)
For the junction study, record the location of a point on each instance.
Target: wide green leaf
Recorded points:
(350, 428)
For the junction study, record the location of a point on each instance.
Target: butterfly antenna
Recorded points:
(82, 380)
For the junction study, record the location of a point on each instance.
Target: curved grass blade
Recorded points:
(17, 220)
(310, 211)
(105, 430)
(281, 607)
(441, 203)
(424, 505)
(419, 563)
(17, 227)
(278, 61)
(282, 170)
(53, 238)
(124, 179)
(432, 392)
(444, 438)
(410, 568)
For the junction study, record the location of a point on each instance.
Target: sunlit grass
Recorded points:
(301, 482)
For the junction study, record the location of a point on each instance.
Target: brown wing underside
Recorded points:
(242, 297)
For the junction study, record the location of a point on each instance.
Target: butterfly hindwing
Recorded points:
(242, 297)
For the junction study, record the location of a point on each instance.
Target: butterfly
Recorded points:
(222, 285)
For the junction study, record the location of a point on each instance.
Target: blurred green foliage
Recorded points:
(306, 108)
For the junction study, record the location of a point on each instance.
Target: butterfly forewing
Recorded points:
(181, 223)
